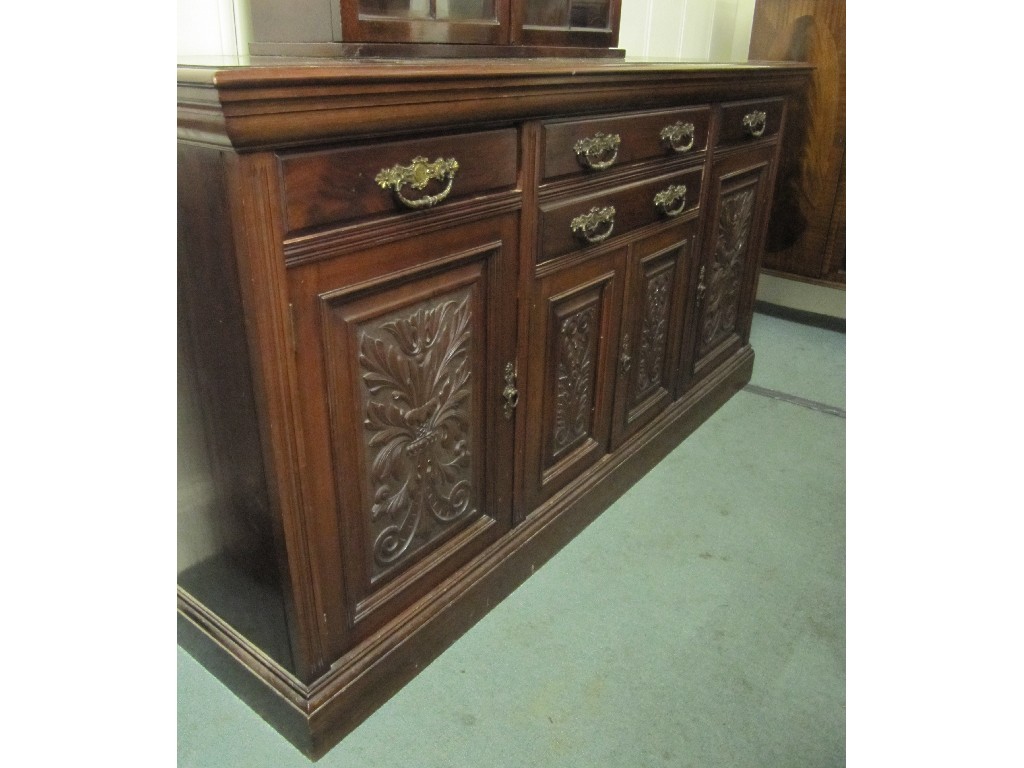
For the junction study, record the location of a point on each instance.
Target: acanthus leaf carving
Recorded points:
(726, 267)
(653, 334)
(574, 377)
(418, 397)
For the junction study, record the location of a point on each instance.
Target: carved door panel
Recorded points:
(574, 343)
(734, 233)
(402, 377)
(652, 325)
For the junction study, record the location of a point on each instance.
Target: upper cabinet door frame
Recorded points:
(564, 34)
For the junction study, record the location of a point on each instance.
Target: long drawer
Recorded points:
(567, 224)
(581, 146)
(348, 183)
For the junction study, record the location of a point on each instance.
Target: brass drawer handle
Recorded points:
(754, 123)
(510, 394)
(599, 151)
(672, 200)
(417, 175)
(595, 225)
(679, 137)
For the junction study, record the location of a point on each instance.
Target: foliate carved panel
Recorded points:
(574, 377)
(726, 267)
(653, 336)
(415, 369)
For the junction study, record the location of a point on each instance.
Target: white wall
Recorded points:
(211, 27)
(703, 30)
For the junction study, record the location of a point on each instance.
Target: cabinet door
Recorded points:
(573, 347)
(652, 325)
(401, 351)
(426, 21)
(732, 244)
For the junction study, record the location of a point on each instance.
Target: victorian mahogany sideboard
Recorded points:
(434, 317)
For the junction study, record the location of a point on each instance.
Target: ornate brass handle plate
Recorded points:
(510, 394)
(672, 200)
(598, 151)
(595, 225)
(417, 175)
(679, 137)
(754, 122)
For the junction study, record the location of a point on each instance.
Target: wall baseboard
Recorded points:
(801, 316)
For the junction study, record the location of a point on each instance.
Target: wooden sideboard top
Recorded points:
(269, 102)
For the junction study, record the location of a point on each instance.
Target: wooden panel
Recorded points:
(401, 350)
(228, 541)
(634, 205)
(640, 135)
(732, 243)
(338, 185)
(569, 405)
(651, 328)
(807, 230)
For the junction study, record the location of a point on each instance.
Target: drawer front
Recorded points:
(339, 185)
(746, 121)
(579, 146)
(579, 222)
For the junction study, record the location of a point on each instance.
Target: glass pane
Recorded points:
(592, 14)
(395, 9)
(547, 13)
(564, 14)
(442, 10)
(465, 9)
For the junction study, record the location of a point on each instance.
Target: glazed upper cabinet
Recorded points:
(437, 27)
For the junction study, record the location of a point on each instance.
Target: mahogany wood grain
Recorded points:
(807, 233)
(369, 320)
(657, 291)
(572, 371)
(733, 130)
(339, 184)
(640, 136)
(634, 206)
(736, 220)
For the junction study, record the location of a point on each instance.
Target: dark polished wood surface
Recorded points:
(444, 364)
(807, 234)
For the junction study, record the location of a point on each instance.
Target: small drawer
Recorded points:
(745, 121)
(338, 185)
(578, 146)
(568, 225)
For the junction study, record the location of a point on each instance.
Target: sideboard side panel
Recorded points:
(227, 555)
